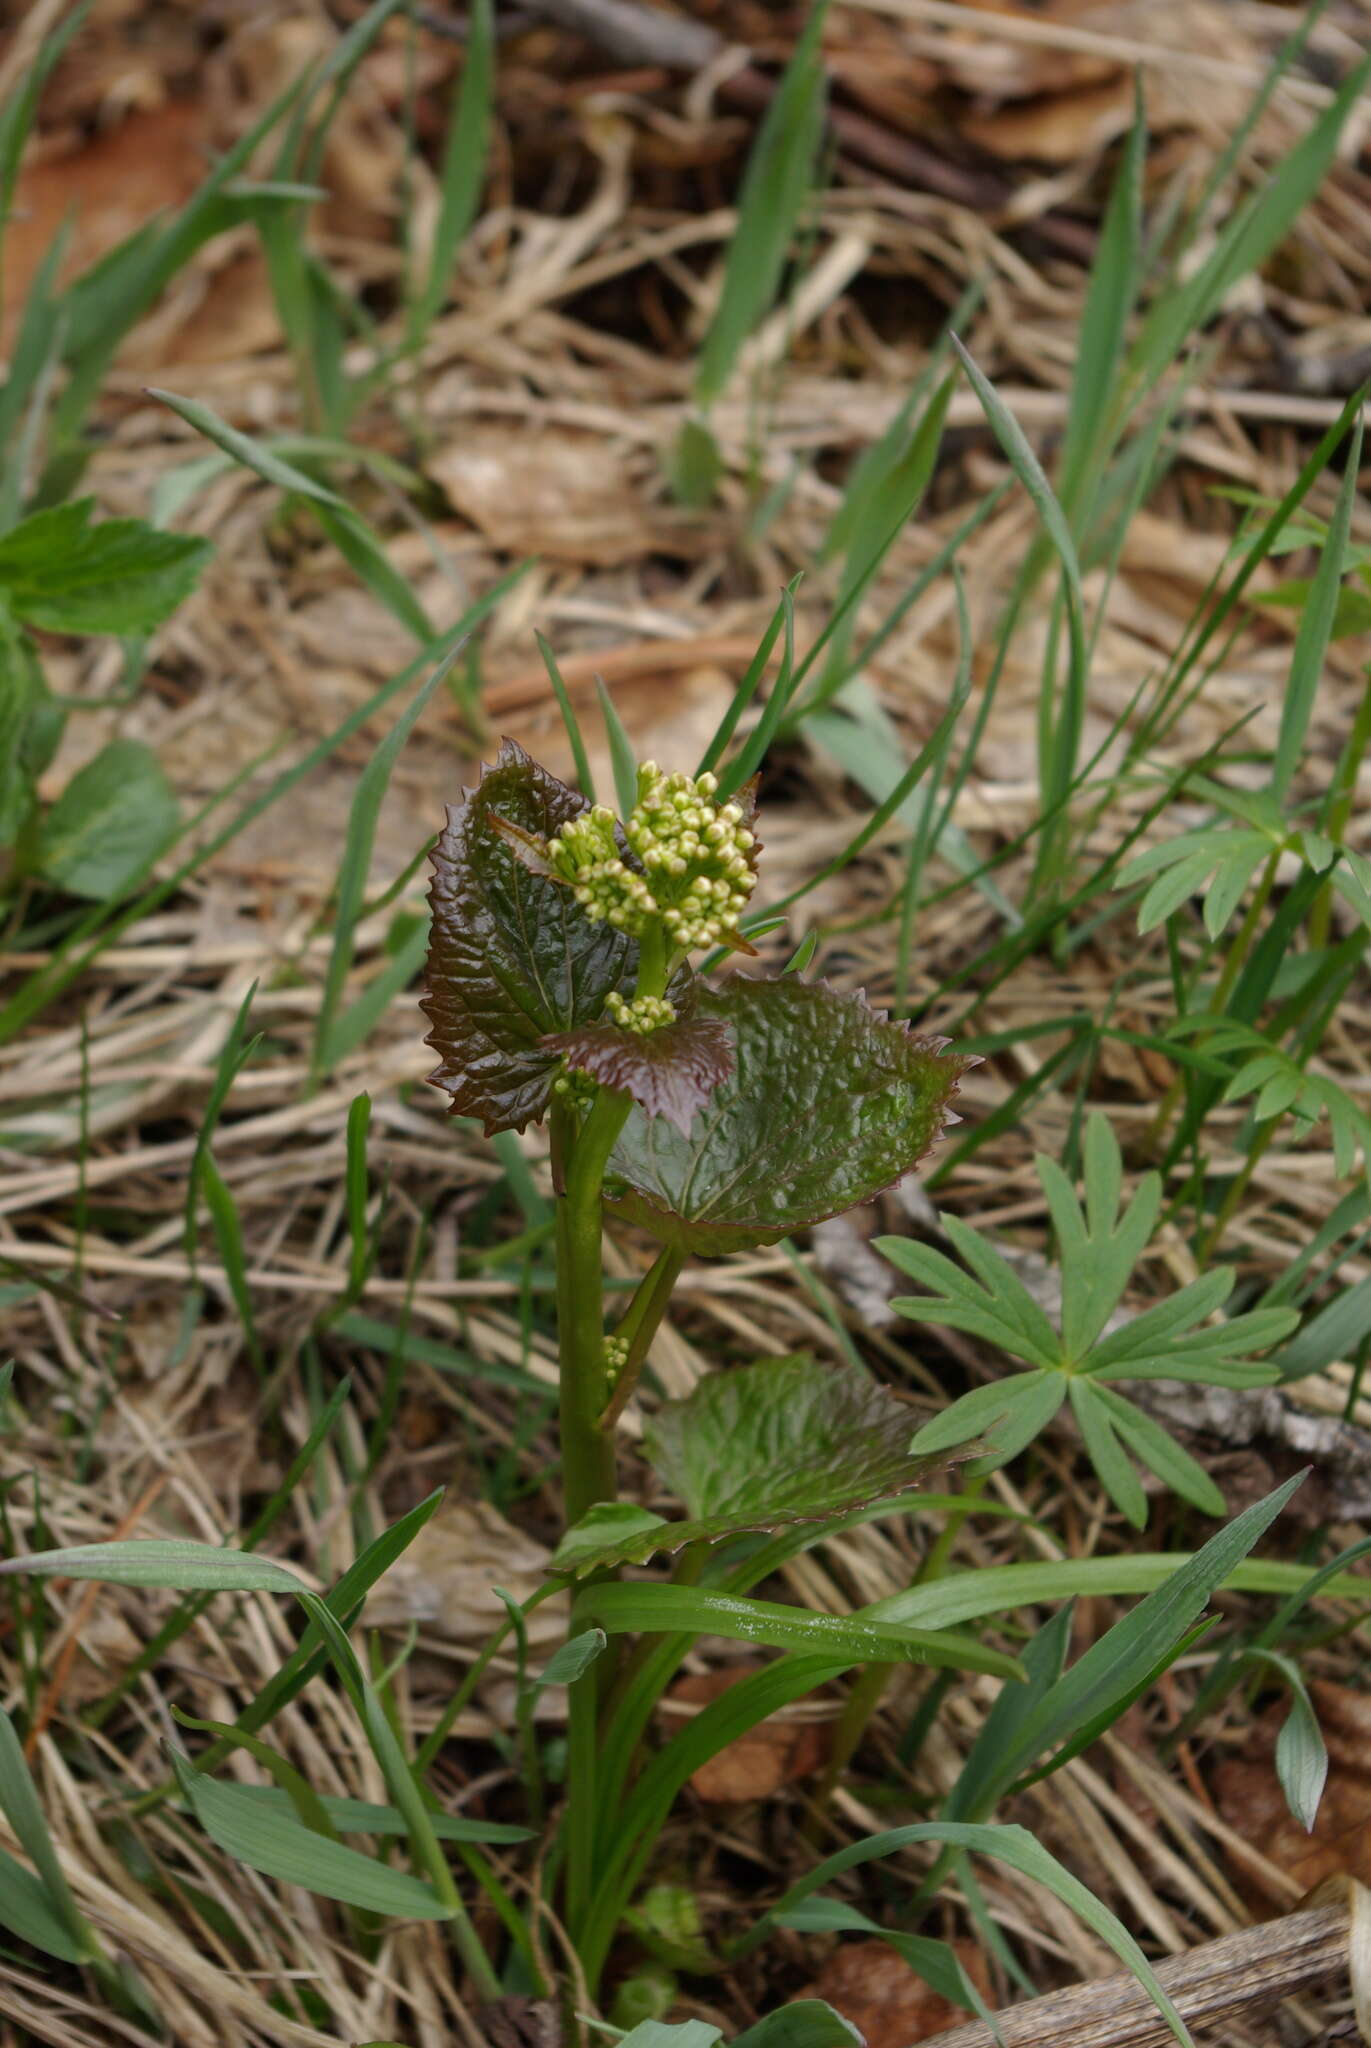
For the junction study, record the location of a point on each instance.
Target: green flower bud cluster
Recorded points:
(616, 1357)
(696, 859)
(575, 1089)
(643, 1014)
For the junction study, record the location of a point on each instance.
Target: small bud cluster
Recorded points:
(575, 1089)
(695, 854)
(616, 1357)
(642, 1015)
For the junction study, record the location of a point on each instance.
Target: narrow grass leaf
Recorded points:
(169, 1562)
(1247, 238)
(1316, 627)
(227, 1225)
(26, 1910)
(267, 1839)
(350, 888)
(622, 757)
(572, 725)
(300, 1796)
(25, 1815)
(1011, 1845)
(1113, 290)
(362, 1817)
(464, 164)
(747, 688)
(780, 176)
(620, 1609)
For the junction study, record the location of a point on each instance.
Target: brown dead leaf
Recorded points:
(1250, 1800)
(108, 1647)
(887, 2001)
(115, 182)
(998, 68)
(444, 1580)
(1056, 130)
(558, 493)
(235, 317)
(1075, 101)
(774, 1753)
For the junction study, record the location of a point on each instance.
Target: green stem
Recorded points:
(639, 1326)
(1237, 1188)
(588, 1472)
(1338, 810)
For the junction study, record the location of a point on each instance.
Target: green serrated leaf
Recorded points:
(68, 574)
(670, 1072)
(512, 956)
(762, 1446)
(111, 822)
(827, 1104)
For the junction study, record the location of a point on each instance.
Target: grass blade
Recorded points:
(464, 165)
(779, 178)
(350, 889)
(1316, 627)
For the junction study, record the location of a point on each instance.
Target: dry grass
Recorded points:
(540, 412)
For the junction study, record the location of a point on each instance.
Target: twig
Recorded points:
(631, 34)
(1209, 1985)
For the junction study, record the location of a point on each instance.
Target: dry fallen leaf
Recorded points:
(444, 1580)
(112, 185)
(774, 1753)
(1250, 1800)
(558, 493)
(1056, 130)
(887, 2001)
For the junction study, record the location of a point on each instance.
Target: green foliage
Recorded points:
(1098, 1246)
(63, 572)
(512, 958)
(109, 825)
(276, 1842)
(803, 2023)
(827, 1103)
(779, 179)
(67, 573)
(783, 1441)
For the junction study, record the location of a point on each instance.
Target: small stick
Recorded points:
(1209, 1985)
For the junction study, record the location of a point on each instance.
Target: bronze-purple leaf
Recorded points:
(512, 956)
(669, 1072)
(828, 1103)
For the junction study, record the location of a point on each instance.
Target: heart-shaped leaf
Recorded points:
(827, 1104)
(758, 1447)
(669, 1072)
(512, 956)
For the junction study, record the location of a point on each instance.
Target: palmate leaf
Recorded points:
(68, 574)
(762, 1446)
(513, 957)
(669, 1072)
(827, 1104)
(1280, 1084)
(1100, 1242)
